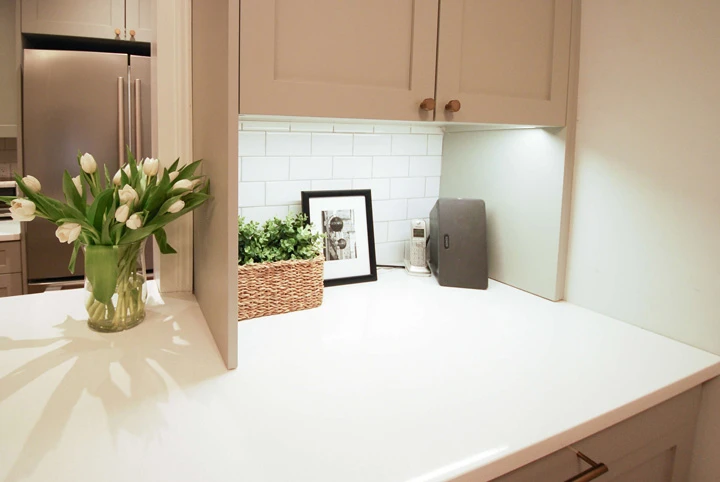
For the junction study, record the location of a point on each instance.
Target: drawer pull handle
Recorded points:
(595, 470)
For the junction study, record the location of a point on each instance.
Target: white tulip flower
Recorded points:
(128, 195)
(88, 164)
(32, 183)
(151, 166)
(78, 184)
(127, 170)
(22, 209)
(68, 232)
(134, 222)
(117, 178)
(122, 213)
(173, 175)
(184, 184)
(176, 207)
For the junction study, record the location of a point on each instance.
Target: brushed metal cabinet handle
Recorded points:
(595, 470)
(121, 122)
(138, 123)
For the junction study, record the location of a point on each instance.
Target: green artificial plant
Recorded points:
(277, 240)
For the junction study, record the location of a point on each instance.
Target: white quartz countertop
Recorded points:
(9, 231)
(398, 380)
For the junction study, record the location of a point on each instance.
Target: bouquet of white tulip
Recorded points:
(137, 202)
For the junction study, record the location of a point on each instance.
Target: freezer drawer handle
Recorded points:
(121, 123)
(595, 470)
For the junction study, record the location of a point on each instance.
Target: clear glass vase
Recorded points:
(116, 286)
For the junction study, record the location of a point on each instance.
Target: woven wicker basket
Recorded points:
(280, 287)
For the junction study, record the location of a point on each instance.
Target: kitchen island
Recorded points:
(398, 380)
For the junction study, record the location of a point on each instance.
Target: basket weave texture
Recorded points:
(281, 287)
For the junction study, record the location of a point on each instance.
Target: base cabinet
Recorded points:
(653, 446)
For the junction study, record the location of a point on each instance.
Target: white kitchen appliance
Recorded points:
(416, 249)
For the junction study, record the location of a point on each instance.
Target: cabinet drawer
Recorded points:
(654, 445)
(10, 257)
(10, 284)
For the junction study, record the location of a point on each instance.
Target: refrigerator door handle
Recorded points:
(138, 123)
(121, 122)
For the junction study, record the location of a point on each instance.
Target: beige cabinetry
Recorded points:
(653, 446)
(504, 61)
(495, 61)
(8, 70)
(82, 18)
(10, 269)
(369, 59)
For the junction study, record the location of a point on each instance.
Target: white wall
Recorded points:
(645, 227)
(400, 164)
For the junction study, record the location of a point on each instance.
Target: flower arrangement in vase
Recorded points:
(111, 222)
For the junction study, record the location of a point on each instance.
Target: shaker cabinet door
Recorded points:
(77, 18)
(504, 61)
(371, 59)
(139, 19)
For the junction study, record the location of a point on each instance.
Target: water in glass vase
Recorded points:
(116, 286)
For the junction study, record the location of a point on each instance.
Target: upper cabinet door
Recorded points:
(9, 77)
(371, 59)
(77, 18)
(139, 19)
(504, 61)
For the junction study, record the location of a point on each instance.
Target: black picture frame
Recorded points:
(308, 196)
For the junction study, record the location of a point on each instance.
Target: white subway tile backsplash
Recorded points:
(251, 194)
(409, 144)
(400, 163)
(390, 166)
(332, 185)
(311, 167)
(311, 127)
(399, 230)
(265, 168)
(407, 187)
(419, 129)
(372, 144)
(265, 126)
(380, 188)
(352, 167)
(251, 143)
(435, 145)
(332, 144)
(285, 192)
(425, 165)
(288, 144)
(380, 231)
(390, 253)
(432, 187)
(391, 210)
(353, 128)
(262, 214)
(392, 129)
(420, 208)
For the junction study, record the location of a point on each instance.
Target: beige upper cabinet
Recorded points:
(139, 19)
(367, 59)
(504, 61)
(8, 70)
(95, 19)
(498, 61)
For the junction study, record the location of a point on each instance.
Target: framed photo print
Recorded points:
(345, 217)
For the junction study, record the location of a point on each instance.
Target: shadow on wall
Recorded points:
(130, 373)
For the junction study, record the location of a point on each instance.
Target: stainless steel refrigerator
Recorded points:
(88, 101)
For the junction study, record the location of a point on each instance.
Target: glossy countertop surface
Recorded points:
(398, 380)
(9, 231)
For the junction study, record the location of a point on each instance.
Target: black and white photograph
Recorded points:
(339, 229)
(345, 218)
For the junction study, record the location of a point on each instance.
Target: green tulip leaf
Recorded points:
(101, 271)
